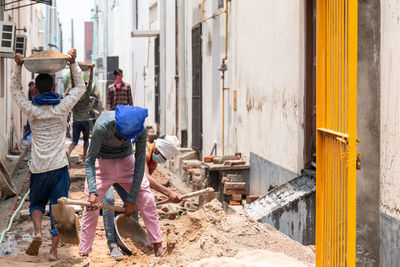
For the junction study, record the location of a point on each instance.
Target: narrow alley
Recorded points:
(199, 133)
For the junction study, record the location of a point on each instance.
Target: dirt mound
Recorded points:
(209, 232)
(251, 258)
(47, 54)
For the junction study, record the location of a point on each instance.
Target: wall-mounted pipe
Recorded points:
(223, 67)
(223, 73)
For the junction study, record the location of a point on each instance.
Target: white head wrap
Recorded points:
(168, 146)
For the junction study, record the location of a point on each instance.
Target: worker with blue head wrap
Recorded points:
(110, 161)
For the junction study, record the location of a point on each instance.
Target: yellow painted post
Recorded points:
(336, 132)
(352, 120)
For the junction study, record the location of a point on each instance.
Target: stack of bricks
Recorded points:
(191, 168)
(234, 189)
(196, 181)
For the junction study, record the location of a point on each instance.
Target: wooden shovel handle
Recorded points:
(67, 201)
(193, 194)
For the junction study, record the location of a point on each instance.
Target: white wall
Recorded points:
(390, 113)
(266, 65)
(167, 67)
(120, 36)
(12, 121)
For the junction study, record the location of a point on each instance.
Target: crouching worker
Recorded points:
(160, 151)
(47, 115)
(110, 161)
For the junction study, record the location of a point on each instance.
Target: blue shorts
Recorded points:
(77, 128)
(48, 186)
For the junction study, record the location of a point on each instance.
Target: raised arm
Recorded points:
(19, 97)
(69, 101)
(90, 83)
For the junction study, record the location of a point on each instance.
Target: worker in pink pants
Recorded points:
(120, 171)
(110, 161)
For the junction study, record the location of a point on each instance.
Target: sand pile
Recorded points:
(47, 54)
(209, 232)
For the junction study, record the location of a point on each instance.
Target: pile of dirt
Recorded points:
(209, 232)
(47, 54)
(138, 248)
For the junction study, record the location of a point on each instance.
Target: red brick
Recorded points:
(235, 185)
(209, 158)
(235, 203)
(234, 191)
(194, 171)
(236, 197)
(251, 198)
(237, 162)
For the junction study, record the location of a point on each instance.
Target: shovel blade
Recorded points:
(67, 223)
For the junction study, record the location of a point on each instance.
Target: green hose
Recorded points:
(3, 234)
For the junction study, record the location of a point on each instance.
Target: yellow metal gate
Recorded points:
(336, 132)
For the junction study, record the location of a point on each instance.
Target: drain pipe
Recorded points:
(3, 234)
(224, 68)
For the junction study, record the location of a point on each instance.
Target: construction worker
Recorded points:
(81, 118)
(47, 114)
(110, 161)
(160, 151)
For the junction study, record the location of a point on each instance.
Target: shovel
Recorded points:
(67, 222)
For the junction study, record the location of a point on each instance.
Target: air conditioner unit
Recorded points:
(7, 37)
(20, 44)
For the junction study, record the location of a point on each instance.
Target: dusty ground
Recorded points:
(207, 235)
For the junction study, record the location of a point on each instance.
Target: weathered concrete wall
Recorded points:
(368, 127)
(143, 58)
(290, 208)
(167, 67)
(390, 133)
(390, 241)
(12, 121)
(267, 70)
(264, 173)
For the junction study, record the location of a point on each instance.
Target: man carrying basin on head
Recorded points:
(163, 149)
(47, 116)
(110, 161)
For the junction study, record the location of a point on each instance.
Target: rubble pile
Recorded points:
(209, 232)
(47, 54)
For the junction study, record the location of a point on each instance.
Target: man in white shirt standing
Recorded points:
(47, 115)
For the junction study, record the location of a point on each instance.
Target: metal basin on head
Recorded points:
(45, 65)
(84, 66)
(127, 227)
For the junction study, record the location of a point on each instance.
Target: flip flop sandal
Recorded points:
(33, 249)
(117, 255)
(53, 260)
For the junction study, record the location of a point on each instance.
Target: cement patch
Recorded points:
(264, 173)
(390, 241)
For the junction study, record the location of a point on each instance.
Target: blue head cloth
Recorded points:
(130, 121)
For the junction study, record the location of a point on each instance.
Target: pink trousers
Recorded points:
(108, 172)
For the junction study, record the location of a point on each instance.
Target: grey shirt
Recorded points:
(105, 145)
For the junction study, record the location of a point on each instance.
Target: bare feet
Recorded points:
(158, 249)
(33, 249)
(53, 250)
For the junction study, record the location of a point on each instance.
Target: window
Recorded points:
(220, 3)
(136, 16)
